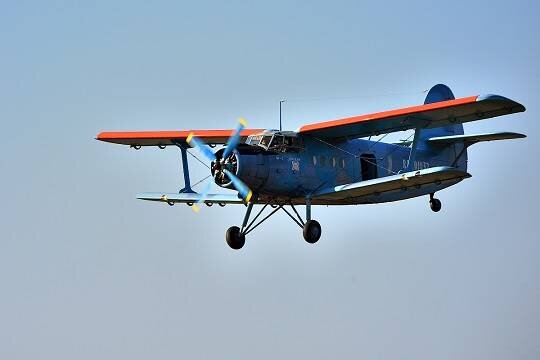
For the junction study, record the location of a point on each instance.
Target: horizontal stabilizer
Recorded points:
(190, 197)
(471, 139)
(434, 175)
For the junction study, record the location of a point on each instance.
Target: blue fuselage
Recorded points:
(321, 165)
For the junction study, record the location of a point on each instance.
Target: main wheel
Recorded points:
(312, 231)
(435, 204)
(235, 239)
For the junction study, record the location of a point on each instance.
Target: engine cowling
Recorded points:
(247, 162)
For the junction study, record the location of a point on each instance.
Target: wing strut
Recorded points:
(185, 169)
(412, 153)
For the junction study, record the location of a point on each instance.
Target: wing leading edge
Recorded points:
(423, 116)
(167, 138)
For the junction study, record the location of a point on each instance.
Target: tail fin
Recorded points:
(447, 155)
(441, 92)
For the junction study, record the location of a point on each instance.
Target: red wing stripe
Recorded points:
(387, 114)
(169, 135)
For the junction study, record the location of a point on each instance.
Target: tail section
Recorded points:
(439, 93)
(447, 155)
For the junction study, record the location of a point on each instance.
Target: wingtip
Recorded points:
(512, 104)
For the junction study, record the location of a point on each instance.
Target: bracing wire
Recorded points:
(200, 181)
(199, 160)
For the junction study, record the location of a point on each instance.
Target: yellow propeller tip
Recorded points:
(242, 121)
(195, 208)
(248, 197)
(190, 136)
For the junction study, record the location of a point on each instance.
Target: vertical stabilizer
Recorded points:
(446, 155)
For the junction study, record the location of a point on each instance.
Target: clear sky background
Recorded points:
(89, 272)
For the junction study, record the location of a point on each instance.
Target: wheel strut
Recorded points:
(311, 228)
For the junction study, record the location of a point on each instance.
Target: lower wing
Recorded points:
(434, 175)
(190, 198)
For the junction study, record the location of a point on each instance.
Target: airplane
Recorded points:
(330, 162)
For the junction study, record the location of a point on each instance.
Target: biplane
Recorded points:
(330, 163)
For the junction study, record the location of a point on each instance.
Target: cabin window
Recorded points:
(322, 160)
(342, 163)
(334, 161)
(314, 160)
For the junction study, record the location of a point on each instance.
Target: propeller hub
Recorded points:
(229, 163)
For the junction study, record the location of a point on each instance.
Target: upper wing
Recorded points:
(164, 138)
(424, 116)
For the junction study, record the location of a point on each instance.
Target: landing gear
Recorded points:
(434, 203)
(312, 231)
(236, 236)
(235, 239)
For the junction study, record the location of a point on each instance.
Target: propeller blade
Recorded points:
(195, 207)
(239, 185)
(198, 143)
(235, 138)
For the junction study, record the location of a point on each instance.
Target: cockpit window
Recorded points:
(265, 141)
(278, 142)
(254, 140)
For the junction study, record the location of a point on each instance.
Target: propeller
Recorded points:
(221, 166)
(239, 185)
(235, 138)
(199, 144)
(196, 206)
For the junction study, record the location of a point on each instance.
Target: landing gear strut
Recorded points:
(236, 236)
(434, 203)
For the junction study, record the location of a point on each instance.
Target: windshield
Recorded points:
(254, 140)
(276, 142)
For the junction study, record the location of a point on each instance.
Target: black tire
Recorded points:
(435, 204)
(234, 238)
(312, 231)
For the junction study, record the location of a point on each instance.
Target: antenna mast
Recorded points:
(280, 102)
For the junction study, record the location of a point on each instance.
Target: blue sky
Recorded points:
(88, 271)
